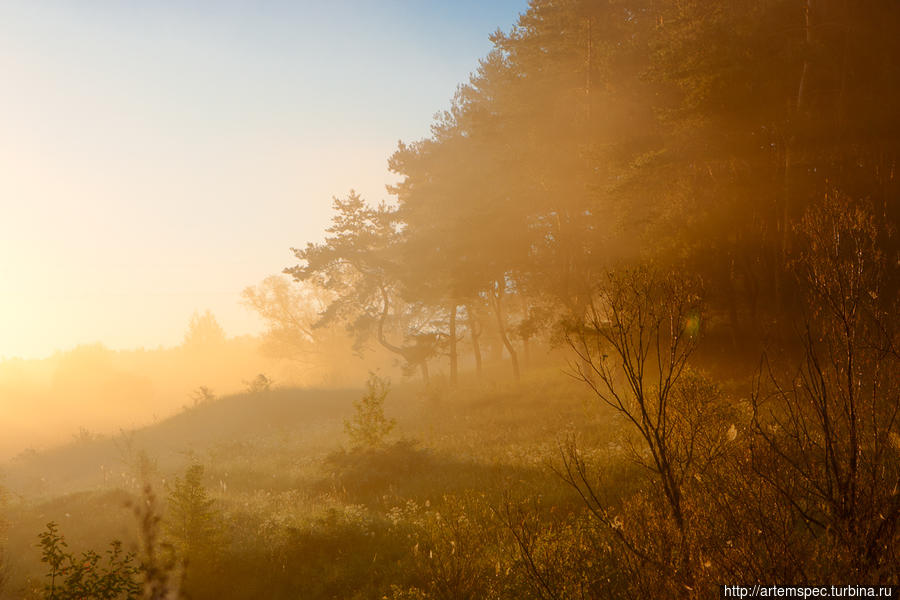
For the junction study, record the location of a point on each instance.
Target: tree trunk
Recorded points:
(790, 159)
(453, 356)
(475, 332)
(497, 301)
(407, 353)
(732, 302)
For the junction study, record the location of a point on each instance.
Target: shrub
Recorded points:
(259, 384)
(202, 395)
(72, 577)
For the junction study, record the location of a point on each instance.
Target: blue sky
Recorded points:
(158, 157)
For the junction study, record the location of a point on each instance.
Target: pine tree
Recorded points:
(369, 427)
(191, 519)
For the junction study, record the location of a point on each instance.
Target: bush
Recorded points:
(86, 577)
(259, 384)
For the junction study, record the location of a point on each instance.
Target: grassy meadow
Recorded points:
(298, 512)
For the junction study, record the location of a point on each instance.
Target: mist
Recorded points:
(93, 391)
(616, 317)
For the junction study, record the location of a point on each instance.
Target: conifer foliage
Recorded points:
(369, 427)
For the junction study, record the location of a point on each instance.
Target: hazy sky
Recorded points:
(157, 157)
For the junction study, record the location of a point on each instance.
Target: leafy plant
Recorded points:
(88, 576)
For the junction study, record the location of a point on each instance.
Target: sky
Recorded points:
(158, 157)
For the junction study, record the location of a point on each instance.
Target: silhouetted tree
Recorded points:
(357, 265)
(204, 331)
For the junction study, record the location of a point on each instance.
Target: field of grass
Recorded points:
(299, 513)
